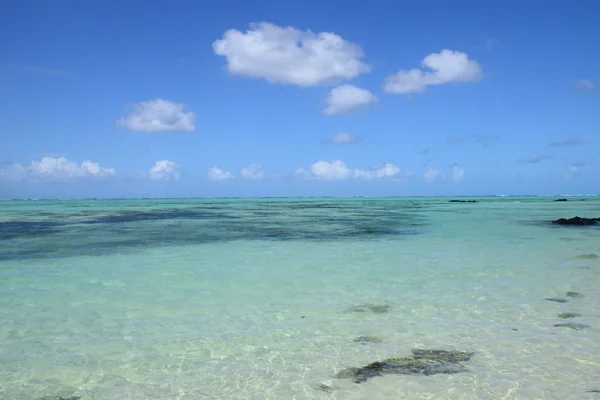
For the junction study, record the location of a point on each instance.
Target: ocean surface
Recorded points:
(272, 298)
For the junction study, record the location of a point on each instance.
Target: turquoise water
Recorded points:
(257, 299)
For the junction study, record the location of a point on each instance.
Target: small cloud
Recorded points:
(585, 85)
(338, 171)
(218, 175)
(424, 151)
(458, 173)
(158, 116)
(571, 172)
(569, 141)
(342, 138)
(440, 68)
(290, 56)
(533, 159)
(164, 171)
(50, 169)
(347, 98)
(253, 172)
(37, 69)
(432, 175)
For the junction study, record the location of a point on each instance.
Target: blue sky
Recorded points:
(280, 98)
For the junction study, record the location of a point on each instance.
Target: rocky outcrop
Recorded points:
(462, 201)
(423, 362)
(577, 221)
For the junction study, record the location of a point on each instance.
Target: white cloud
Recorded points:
(383, 172)
(164, 171)
(585, 85)
(217, 174)
(338, 171)
(444, 67)
(458, 173)
(568, 141)
(327, 171)
(343, 138)
(290, 56)
(51, 169)
(158, 116)
(253, 172)
(431, 175)
(347, 98)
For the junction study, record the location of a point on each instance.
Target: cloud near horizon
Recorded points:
(338, 171)
(51, 169)
(440, 68)
(164, 171)
(216, 174)
(253, 172)
(158, 116)
(290, 56)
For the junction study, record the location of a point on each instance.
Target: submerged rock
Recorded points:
(376, 308)
(424, 362)
(561, 200)
(59, 398)
(326, 388)
(573, 325)
(578, 221)
(443, 355)
(574, 294)
(590, 256)
(557, 299)
(566, 315)
(462, 201)
(367, 339)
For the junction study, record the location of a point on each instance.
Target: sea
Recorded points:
(292, 298)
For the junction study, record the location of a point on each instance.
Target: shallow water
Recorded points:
(257, 299)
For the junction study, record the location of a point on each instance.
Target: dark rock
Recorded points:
(592, 391)
(577, 221)
(442, 355)
(590, 256)
(561, 200)
(573, 325)
(367, 339)
(424, 362)
(462, 201)
(557, 300)
(376, 308)
(574, 294)
(59, 398)
(325, 388)
(566, 315)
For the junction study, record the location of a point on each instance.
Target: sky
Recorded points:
(241, 98)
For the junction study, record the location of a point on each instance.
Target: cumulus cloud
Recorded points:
(568, 141)
(253, 172)
(585, 85)
(533, 159)
(338, 171)
(347, 98)
(51, 169)
(164, 171)
(446, 66)
(343, 138)
(217, 174)
(290, 56)
(158, 116)
(432, 175)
